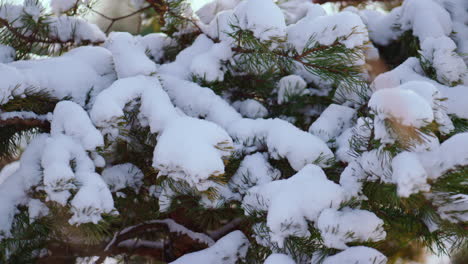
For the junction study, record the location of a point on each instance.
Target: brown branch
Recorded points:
(28, 122)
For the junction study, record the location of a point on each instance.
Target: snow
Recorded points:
(405, 106)
(192, 155)
(410, 70)
(154, 44)
(426, 18)
(277, 258)
(7, 54)
(289, 86)
(227, 250)
(357, 255)
(36, 209)
(129, 55)
(121, 176)
(180, 229)
(269, 23)
(13, 190)
(209, 11)
(253, 170)
(332, 122)
(349, 225)
(292, 202)
(208, 65)
(451, 154)
(75, 29)
(71, 119)
(283, 139)
(297, 9)
(250, 108)
(326, 30)
(408, 174)
(72, 74)
(449, 66)
(181, 66)
(8, 170)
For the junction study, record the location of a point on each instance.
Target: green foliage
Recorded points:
(26, 241)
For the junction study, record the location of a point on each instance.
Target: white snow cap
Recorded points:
(250, 108)
(291, 85)
(7, 54)
(349, 225)
(408, 174)
(277, 258)
(208, 65)
(449, 66)
(129, 55)
(327, 29)
(332, 122)
(266, 24)
(121, 176)
(227, 250)
(292, 202)
(357, 255)
(71, 119)
(253, 170)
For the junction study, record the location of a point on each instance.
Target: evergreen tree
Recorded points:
(249, 131)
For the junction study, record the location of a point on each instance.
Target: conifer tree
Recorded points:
(247, 131)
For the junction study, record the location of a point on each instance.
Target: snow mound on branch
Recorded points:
(410, 70)
(121, 176)
(13, 191)
(291, 85)
(452, 153)
(408, 174)
(292, 202)
(70, 119)
(449, 66)
(250, 108)
(93, 197)
(406, 106)
(155, 43)
(295, 10)
(349, 225)
(326, 30)
(129, 55)
(208, 65)
(227, 250)
(283, 139)
(332, 122)
(253, 170)
(181, 66)
(78, 30)
(7, 54)
(266, 24)
(72, 74)
(425, 18)
(357, 255)
(192, 155)
(209, 11)
(277, 258)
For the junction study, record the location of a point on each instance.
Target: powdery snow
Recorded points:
(358, 255)
(227, 250)
(332, 122)
(292, 202)
(349, 225)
